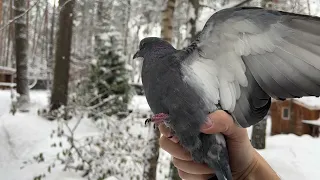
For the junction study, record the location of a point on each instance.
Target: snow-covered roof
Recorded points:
(309, 102)
(7, 69)
(313, 122)
(5, 84)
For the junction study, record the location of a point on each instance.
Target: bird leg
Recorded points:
(157, 119)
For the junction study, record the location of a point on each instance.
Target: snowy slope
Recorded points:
(293, 157)
(25, 135)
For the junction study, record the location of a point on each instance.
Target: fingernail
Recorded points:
(207, 124)
(174, 139)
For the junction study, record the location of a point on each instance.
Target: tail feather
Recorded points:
(217, 156)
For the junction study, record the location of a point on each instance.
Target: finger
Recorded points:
(164, 130)
(176, 150)
(191, 167)
(219, 121)
(167, 133)
(187, 176)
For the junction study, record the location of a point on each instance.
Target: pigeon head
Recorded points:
(153, 47)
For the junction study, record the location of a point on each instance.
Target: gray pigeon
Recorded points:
(242, 57)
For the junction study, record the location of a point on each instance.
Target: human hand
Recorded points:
(241, 152)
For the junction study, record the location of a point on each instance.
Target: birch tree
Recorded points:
(167, 21)
(167, 34)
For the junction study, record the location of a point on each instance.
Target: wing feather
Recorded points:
(251, 54)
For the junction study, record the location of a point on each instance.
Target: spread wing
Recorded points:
(245, 55)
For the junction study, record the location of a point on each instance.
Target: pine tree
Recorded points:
(109, 76)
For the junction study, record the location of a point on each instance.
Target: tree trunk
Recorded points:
(150, 170)
(1, 5)
(97, 38)
(51, 47)
(258, 136)
(59, 95)
(10, 44)
(21, 55)
(1, 35)
(167, 23)
(166, 34)
(193, 20)
(126, 28)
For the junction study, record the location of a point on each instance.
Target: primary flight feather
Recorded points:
(242, 57)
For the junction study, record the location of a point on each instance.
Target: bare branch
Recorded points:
(242, 3)
(21, 15)
(230, 5)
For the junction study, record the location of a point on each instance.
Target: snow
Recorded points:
(7, 84)
(24, 135)
(9, 69)
(292, 157)
(139, 103)
(313, 122)
(310, 102)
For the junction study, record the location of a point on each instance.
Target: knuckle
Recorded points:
(161, 128)
(175, 162)
(164, 130)
(183, 175)
(225, 127)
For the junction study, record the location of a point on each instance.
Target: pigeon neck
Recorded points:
(164, 50)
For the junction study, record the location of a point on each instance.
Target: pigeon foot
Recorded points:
(157, 119)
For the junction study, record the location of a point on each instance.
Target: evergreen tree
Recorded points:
(109, 77)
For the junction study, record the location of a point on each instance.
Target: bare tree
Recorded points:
(10, 42)
(167, 21)
(1, 6)
(166, 34)
(150, 170)
(51, 47)
(59, 95)
(194, 18)
(1, 33)
(258, 136)
(21, 44)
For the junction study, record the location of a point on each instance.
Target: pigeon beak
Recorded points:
(136, 55)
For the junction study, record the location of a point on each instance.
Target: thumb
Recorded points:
(219, 122)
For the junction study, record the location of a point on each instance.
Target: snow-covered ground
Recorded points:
(24, 135)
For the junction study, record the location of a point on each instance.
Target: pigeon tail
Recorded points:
(217, 157)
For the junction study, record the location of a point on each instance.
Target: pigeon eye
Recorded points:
(142, 45)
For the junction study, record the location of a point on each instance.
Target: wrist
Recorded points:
(241, 175)
(258, 169)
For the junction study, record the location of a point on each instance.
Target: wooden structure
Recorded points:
(7, 77)
(298, 116)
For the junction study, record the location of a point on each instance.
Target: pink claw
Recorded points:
(158, 118)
